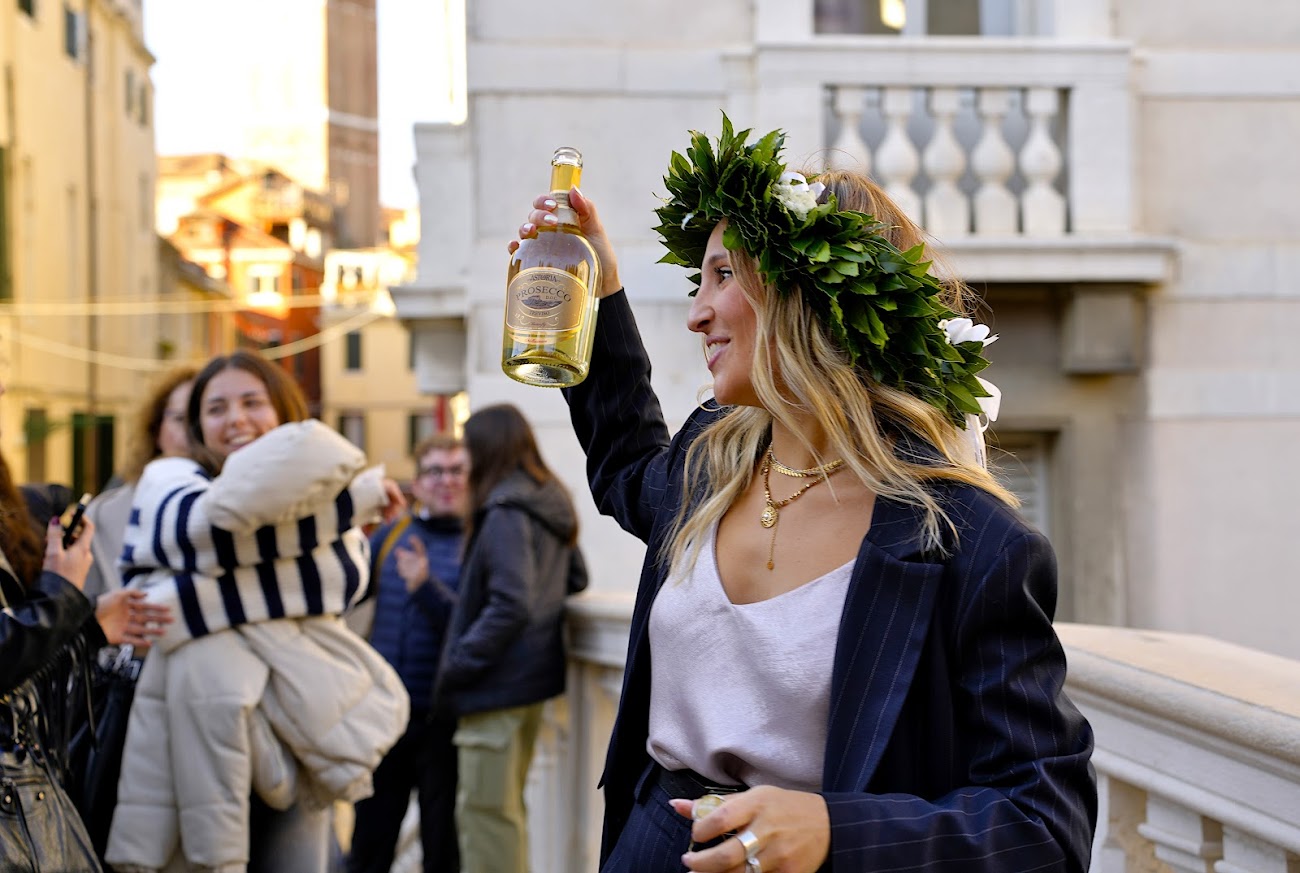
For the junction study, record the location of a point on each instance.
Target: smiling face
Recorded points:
(235, 410)
(724, 317)
(441, 481)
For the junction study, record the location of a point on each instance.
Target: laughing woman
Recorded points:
(843, 631)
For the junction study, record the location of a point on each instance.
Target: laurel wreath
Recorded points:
(881, 305)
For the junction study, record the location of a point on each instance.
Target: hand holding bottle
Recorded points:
(544, 207)
(553, 287)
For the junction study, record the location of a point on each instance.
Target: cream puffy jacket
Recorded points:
(233, 700)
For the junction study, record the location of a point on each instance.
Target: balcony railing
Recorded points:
(988, 160)
(992, 137)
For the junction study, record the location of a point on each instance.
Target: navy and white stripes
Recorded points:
(215, 578)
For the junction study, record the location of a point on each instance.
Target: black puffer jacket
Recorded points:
(505, 642)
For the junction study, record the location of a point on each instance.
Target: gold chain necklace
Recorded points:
(772, 508)
(801, 474)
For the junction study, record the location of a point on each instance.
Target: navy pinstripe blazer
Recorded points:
(951, 743)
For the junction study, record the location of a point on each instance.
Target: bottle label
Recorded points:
(544, 299)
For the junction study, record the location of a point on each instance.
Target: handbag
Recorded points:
(95, 751)
(40, 829)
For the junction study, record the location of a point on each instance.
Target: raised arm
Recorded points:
(615, 412)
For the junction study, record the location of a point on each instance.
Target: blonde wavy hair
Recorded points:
(799, 371)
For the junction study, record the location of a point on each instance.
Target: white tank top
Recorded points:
(740, 693)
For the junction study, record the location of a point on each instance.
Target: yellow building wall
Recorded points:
(60, 362)
(125, 178)
(383, 390)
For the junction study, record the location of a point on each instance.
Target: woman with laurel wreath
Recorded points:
(841, 653)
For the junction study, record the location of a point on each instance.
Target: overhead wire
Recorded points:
(156, 306)
(127, 362)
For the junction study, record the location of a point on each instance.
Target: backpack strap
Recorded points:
(390, 542)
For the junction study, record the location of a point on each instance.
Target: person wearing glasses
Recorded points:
(417, 565)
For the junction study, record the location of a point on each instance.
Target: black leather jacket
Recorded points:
(40, 633)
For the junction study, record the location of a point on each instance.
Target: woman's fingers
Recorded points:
(543, 215)
(786, 830)
(72, 563)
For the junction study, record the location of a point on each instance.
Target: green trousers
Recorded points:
(494, 750)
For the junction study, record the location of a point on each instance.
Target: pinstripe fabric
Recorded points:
(951, 744)
(654, 839)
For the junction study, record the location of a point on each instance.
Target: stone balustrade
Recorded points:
(987, 161)
(985, 138)
(1198, 751)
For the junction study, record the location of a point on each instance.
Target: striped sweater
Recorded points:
(274, 536)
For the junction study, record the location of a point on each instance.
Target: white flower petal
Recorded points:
(992, 404)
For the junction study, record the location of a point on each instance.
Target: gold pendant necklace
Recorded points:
(772, 508)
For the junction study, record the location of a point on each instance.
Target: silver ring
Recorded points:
(749, 843)
(753, 866)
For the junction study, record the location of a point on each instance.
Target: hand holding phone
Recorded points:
(72, 526)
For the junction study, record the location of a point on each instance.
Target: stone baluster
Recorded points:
(896, 159)
(993, 163)
(1042, 205)
(1121, 809)
(947, 211)
(1185, 840)
(1244, 853)
(547, 792)
(849, 151)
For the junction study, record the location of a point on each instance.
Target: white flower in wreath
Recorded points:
(963, 330)
(797, 196)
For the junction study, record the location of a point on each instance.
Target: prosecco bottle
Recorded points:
(551, 293)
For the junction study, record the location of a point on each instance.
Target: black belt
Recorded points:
(688, 784)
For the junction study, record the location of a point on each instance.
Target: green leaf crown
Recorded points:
(880, 304)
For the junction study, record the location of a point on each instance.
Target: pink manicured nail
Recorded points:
(550, 219)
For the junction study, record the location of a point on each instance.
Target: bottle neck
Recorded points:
(564, 213)
(564, 177)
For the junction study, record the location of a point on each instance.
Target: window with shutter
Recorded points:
(1022, 462)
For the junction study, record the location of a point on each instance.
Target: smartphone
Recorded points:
(73, 514)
